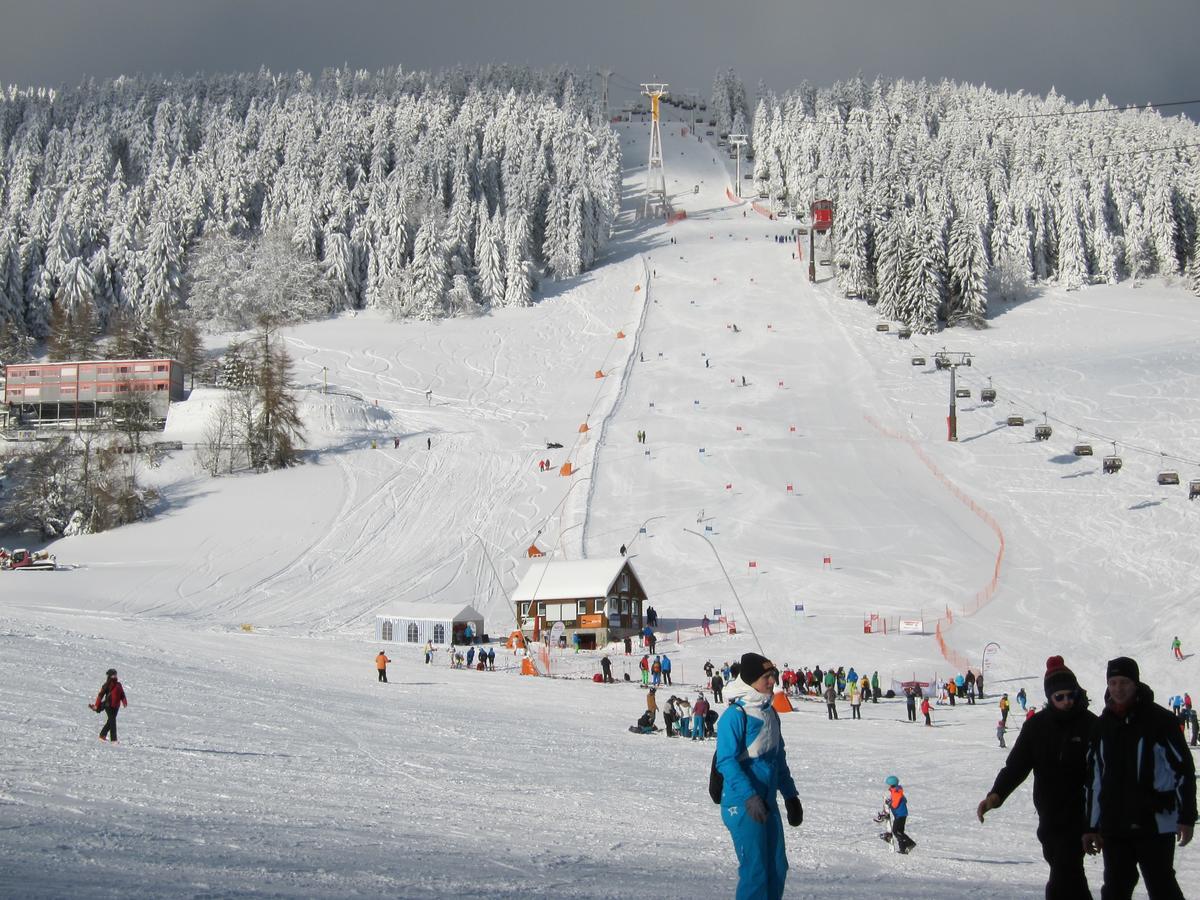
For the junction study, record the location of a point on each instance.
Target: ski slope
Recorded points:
(269, 761)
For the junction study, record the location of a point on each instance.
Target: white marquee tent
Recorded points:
(416, 623)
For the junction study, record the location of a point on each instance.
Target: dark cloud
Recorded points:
(1130, 52)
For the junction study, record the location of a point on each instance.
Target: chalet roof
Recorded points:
(564, 579)
(435, 612)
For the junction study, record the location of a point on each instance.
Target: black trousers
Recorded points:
(1153, 854)
(831, 710)
(1063, 852)
(717, 695)
(903, 841)
(383, 674)
(854, 713)
(666, 676)
(912, 712)
(110, 724)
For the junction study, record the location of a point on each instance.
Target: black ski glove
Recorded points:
(795, 812)
(756, 808)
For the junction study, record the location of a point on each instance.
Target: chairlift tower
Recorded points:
(605, 74)
(951, 360)
(738, 141)
(656, 178)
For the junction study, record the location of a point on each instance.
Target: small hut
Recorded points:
(598, 600)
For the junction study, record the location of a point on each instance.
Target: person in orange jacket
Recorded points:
(381, 662)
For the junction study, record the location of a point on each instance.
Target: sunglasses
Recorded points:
(1062, 696)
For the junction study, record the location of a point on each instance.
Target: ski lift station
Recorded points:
(416, 623)
(600, 600)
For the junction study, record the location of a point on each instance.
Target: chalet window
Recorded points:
(32, 372)
(160, 368)
(582, 608)
(413, 633)
(625, 581)
(523, 610)
(541, 609)
(439, 634)
(637, 607)
(387, 629)
(625, 606)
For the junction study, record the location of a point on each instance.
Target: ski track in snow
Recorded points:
(271, 763)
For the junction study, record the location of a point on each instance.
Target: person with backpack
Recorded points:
(656, 671)
(109, 699)
(1004, 709)
(751, 767)
(1053, 746)
(381, 662)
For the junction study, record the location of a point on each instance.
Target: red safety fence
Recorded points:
(985, 594)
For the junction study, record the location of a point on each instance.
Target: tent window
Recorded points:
(413, 635)
(439, 634)
(387, 629)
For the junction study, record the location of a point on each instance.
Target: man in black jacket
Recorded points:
(1053, 745)
(1141, 788)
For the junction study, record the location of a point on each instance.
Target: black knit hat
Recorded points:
(1059, 677)
(754, 666)
(1122, 665)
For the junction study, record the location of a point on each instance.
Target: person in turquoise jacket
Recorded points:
(753, 764)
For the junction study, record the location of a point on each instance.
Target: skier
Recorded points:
(875, 687)
(925, 711)
(910, 702)
(628, 646)
(109, 699)
(428, 652)
(970, 687)
(752, 762)
(1000, 732)
(1004, 710)
(491, 655)
(470, 656)
(1021, 698)
(718, 685)
(896, 809)
(644, 665)
(1177, 648)
(666, 669)
(652, 704)
(706, 626)
(381, 662)
(606, 667)
(855, 700)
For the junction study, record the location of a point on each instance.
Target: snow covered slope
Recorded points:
(271, 763)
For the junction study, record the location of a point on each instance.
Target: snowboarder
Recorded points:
(381, 662)
(752, 762)
(896, 809)
(1177, 648)
(109, 699)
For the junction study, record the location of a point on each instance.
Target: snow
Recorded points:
(260, 756)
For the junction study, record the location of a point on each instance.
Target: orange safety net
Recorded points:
(527, 667)
(583, 427)
(567, 469)
(781, 702)
(534, 551)
(599, 373)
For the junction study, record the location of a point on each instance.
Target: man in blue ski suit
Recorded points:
(752, 761)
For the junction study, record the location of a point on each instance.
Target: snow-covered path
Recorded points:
(271, 763)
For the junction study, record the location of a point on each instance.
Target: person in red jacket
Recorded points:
(110, 698)
(925, 710)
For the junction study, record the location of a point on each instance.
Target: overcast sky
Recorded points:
(1130, 50)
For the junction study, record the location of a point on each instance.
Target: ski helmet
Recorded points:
(891, 781)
